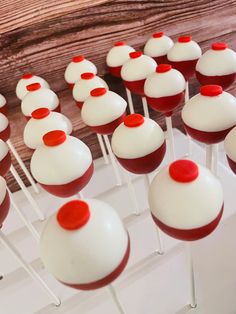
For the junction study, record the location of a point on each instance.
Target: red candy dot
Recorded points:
(184, 39)
(77, 59)
(135, 54)
(33, 87)
(54, 138)
(158, 35)
(98, 91)
(133, 120)
(211, 90)
(183, 171)
(162, 68)
(27, 76)
(40, 113)
(87, 76)
(119, 43)
(219, 46)
(73, 215)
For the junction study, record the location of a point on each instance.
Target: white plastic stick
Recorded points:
(113, 160)
(145, 107)
(209, 156)
(25, 220)
(23, 167)
(190, 141)
(28, 268)
(130, 101)
(170, 138)
(27, 193)
(115, 299)
(132, 193)
(80, 195)
(186, 94)
(215, 157)
(103, 149)
(193, 302)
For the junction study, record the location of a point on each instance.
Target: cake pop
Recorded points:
(230, 149)
(39, 97)
(4, 201)
(43, 120)
(63, 165)
(5, 130)
(76, 67)
(217, 66)
(157, 47)
(3, 105)
(5, 158)
(28, 79)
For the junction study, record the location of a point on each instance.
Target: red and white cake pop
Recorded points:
(186, 200)
(184, 55)
(117, 56)
(26, 80)
(157, 47)
(63, 165)
(230, 149)
(217, 66)
(4, 201)
(39, 97)
(5, 158)
(3, 105)
(5, 130)
(135, 71)
(85, 245)
(209, 116)
(43, 121)
(103, 111)
(164, 89)
(76, 67)
(139, 144)
(83, 87)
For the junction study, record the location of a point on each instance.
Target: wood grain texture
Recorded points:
(43, 36)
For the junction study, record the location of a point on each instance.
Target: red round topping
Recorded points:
(87, 76)
(183, 170)
(135, 54)
(98, 91)
(33, 87)
(73, 215)
(184, 39)
(211, 90)
(119, 43)
(158, 35)
(40, 113)
(133, 120)
(27, 76)
(219, 46)
(162, 68)
(77, 59)
(54, 138)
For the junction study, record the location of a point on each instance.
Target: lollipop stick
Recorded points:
(132, 193)
(80, 195)
(27, 194)
(103, 149)
(190, 142)
(28, 268)
(209, 156)
(215, 155)
(28, 223)
(113, 160)
(145, 107)
(186, 94)
(115, 299)
(130, 101)
(23, 167)
(170, 138)
(193, 303)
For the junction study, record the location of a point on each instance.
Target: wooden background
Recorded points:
(42, 36)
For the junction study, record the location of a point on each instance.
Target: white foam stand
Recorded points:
(151, 283)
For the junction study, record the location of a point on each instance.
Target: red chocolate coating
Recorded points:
(4, 208)
(5, 134)
(79, 104)
(5, 164)
(187, 68)
(232, 164)
(108, 128)
(136, 87)
(161, 59)
(115, 71)
(4, 110)
(225, 81)
(71, 85)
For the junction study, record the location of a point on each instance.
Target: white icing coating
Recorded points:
(103, 109)
(210, 114)
(118, 55)
(3, 122)
(21, 89)
(89, 253)
(41, 98)
(138, 68)
(230, 144)
(82, 88)
(184, 51)
(186, 205)
(217, 62)
(164, 84)
(36, 128)
(156, 47)
(3, 189)
(138, 141)
(3, 149)
(75, 69)
(2, 101)
(60, 164)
